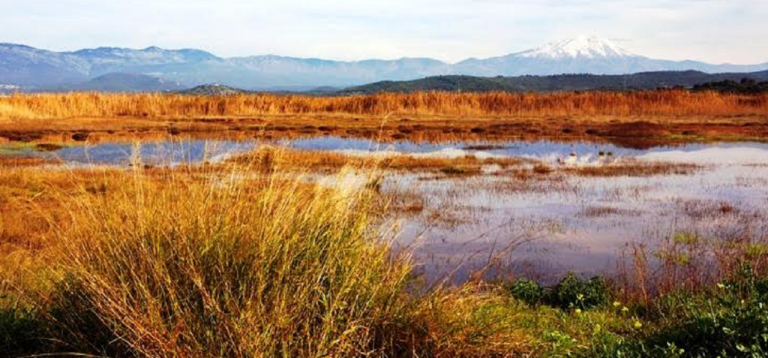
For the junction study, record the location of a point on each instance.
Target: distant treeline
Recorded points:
(572, 82)
(673, 102)
(746, 86)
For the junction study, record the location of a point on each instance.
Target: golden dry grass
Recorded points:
(285, 159)
(664, 116)
(634, 168)
(641, 103)
(245, 270)
(184, 263)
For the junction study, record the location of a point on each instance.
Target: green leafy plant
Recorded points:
(572, 292)
(527, 291)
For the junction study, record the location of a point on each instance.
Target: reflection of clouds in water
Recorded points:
(624, 209)
(714, 155)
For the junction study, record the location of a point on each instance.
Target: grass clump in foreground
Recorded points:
(213, 264)
(224, 267)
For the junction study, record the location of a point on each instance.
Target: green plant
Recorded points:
(572, 292)
(686, 238)
(727, 320)
(527, 291)
(20, 331)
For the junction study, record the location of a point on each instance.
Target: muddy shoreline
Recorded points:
(623, 131)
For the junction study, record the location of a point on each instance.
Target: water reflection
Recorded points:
(196, 151)
(583, 223)
(160, 153)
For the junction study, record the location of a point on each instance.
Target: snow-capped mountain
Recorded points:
(36, 69)
(580, 47)
(584, 54)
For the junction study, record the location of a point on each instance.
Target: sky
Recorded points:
(717, 31)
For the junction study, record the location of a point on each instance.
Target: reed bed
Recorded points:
(640, 103)
(229, 267)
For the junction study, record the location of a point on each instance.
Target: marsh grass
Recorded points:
(691, 261)
(634, 168)
(229, 267)
(271, 158)
(666, 102)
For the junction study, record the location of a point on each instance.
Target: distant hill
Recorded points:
(127, 82)
(32, 69)
(583, 82)
(212, 90)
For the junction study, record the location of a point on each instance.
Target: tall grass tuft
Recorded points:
(229, 267)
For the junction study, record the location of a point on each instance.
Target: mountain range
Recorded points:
(155, 69)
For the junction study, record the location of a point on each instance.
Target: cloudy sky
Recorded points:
(710, 30)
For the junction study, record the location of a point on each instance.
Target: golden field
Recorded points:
(643, 103)
(660, 116)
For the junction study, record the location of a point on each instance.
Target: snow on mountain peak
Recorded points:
(585, 46)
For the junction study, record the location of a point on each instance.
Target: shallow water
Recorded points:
(583, 224)
(196, 151)
(560, 223)
(568, 228)
(159, 153)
